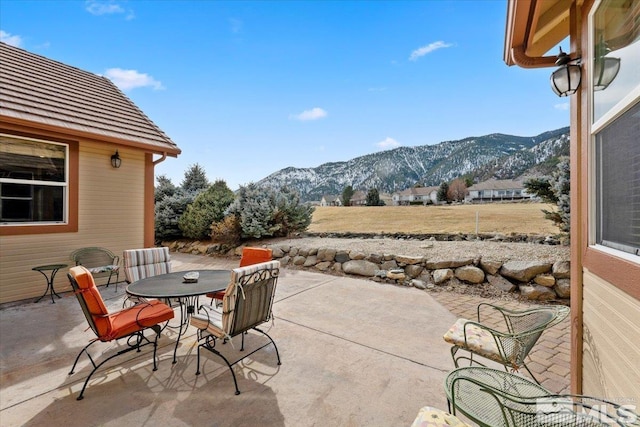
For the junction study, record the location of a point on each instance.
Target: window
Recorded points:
(33, 181)
(615, 90)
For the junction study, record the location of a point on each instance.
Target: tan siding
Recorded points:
(111, 215)
(611, 349)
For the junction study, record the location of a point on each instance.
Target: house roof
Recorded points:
(497, 184)
(53, 95)
(534, 27)
(418, 191)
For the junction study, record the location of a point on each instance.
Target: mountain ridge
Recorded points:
(496, 155)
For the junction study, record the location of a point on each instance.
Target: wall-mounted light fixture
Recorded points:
(605, 68)
(565, 80)
(116, 161)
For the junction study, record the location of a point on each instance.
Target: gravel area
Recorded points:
(437, 249)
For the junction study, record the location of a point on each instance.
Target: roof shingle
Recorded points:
(44, 91)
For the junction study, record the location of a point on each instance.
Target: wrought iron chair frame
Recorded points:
(114, 260)
(522, 339)
(263, 280)
(522, 403)
(134, 341)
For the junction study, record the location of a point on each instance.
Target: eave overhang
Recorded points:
(533, 28)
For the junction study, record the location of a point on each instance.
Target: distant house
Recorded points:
(329, 200)
(359, 198)
(496, 190)
(416, 195)
(60, 130)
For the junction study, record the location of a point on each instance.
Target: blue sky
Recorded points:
(248, 88)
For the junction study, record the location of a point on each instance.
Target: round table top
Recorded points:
(171, 285)
(50, 267)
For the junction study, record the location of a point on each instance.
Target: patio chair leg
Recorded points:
(214, 351)
(531, 373)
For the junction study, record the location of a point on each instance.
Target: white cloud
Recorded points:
(562, 107)
(387, 144)
(95, 7)
(313, 114)
(108, 7)
(424, 50)
(131, 79)
(10, 39)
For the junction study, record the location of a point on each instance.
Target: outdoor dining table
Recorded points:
(174, 286)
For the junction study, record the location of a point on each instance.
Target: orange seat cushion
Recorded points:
(138, 317)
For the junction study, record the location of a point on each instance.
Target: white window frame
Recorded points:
(594, 128)
(64, 185)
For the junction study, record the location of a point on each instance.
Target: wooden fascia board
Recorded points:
(19, 124)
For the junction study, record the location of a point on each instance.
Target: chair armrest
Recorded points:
(116, 260)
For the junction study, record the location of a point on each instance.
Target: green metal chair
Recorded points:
(495, 398)
(100, 262)
(510, 344)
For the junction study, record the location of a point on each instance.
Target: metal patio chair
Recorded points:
(247, 303)
(101, 262)
(250, 256)
(129, 323)
(511, 344)
(495, 398)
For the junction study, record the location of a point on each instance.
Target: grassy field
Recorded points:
(505, 218)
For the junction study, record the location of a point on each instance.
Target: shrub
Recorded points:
(263, 212)
(168, 212)
(208, 207)
(226, 231)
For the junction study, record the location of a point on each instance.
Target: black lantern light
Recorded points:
(565, 80)
(116, 161)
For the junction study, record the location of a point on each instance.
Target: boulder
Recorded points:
(413, 271)
(337, 267)
(375, 258)
(470, 273)
(545, 280)
(356, 255)
(284, 248)
(490, 266)
(323, 266)
(285, 260)
(442, 275)
(443, 264)
(311, 261)
(326, 254)
(397, 274)
(342, 256)
(293, 252)
(537, 293)
(561, 269)
(299, 260)
(408, 260)
(360, 268)
(418, 284)
(563, 288)
(524, 271)
(389, 265)
(303, 252)
(277, 252)
(501, 283)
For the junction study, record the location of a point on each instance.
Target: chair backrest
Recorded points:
(248, 300)
(141, 263)
(90, 300)
(93, 257)
(529, 326)
(252, 256)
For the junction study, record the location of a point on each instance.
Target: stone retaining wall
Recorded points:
(539, 281)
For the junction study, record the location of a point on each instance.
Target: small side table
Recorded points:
(53, 268)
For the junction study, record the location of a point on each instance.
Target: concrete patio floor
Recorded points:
(353, 353)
